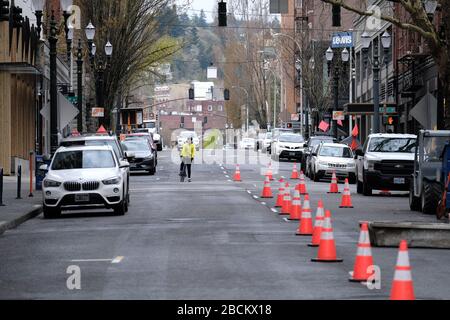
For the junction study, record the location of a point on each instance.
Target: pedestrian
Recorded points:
(187, 157)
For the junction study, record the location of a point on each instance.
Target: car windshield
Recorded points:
(135, 145)
(150, 125)
(111, 143)
(338, 152)
(316, 142)
(83, 159)
(187, 134)
(295, 138)
(381, 144)
(433, 147)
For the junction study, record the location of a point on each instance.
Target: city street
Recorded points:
(209, 239)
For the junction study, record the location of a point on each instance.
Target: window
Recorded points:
(210, 108)
(406, 145)
(220, 107)
(83, 159)
(198, 108)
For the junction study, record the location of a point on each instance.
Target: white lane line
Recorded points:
(286, 219)
(249, 192)
(157, 179)
(225, 172)
(255, 185)
(229, 180)
(256, 197)
(117, 259)
(227, 176)
(274, 210)
(263, 203)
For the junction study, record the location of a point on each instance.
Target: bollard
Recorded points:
(1, 188)
(19, 181)
(31, 175)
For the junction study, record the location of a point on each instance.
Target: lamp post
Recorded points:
(386, 43)
(301, 79)
(246, 106)
(80, 87)
(53, 40)
(345, 56)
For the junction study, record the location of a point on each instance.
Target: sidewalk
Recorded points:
(17, 211)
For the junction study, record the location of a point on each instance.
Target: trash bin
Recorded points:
(40, 174)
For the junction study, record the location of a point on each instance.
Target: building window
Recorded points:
(220, 107)
(198, 108)
(210, 108)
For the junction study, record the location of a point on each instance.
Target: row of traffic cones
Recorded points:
(269, 173)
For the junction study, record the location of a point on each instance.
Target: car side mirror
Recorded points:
(129, 155)
(124, 164)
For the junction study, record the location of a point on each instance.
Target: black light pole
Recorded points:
(80, 87)
(53, 87)
(345, 56)
(100, 78)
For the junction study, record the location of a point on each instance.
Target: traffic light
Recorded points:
(289, 125)
(17, 16)
(336, 13)
(191, 94)
(4, 10)
(390, 120)
(226, 95)
(222, 14)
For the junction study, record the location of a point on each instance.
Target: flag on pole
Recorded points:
(355, 131)
(339, 122)
(324, 126)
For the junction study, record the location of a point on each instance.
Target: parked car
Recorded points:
(102, 140)
(81, 177)
(247, 143)
(276, 132)
(429, 174)
(309, 146)
(386, 161)
(289, 146)
(144, 154)
(333, 157)
(266, 142)
(184, 135)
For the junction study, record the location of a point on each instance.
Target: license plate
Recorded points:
(292, 153)
(399, 180)
(81, 198)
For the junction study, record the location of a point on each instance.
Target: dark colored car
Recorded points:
(313, 142)
(144, 156)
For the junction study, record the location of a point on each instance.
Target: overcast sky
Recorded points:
(207, 5)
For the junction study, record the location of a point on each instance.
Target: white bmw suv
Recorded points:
(83, 177)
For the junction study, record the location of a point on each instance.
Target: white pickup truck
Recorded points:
(386, 162)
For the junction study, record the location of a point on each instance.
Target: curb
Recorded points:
(18, 221)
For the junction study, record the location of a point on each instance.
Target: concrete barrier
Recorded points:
(418, 234)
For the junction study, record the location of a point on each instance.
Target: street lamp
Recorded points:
(345, 56)
(301, 77)
(386, 40)
(39, 8)
(430, 8)
(80, 87)
(246, 106)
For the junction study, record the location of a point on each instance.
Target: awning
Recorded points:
(19, 68)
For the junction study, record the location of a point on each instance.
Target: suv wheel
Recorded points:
(51, 213)
(431, 193)
(316, 176)
(367, 191)
(120, 209)
(414, 202)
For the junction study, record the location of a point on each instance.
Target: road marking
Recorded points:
(91, 260)
(229, 180)
(286, 219)
(249, 192)
(263, 203)
(117, 259)
(227, 176)
(274, 210)
(225, 172)
(157, 179)
(256, 197)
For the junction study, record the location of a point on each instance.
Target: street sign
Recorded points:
(295, 117)
(73, 100)
(342, 40)
(98, 112)
(338, 115)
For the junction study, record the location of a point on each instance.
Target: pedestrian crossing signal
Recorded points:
(336, 15)
(191, 94)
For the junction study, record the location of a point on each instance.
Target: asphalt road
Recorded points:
(209, 239)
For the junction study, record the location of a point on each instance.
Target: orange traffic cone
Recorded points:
(301, 187)
(327, 246)
(317, 225)
(286, 207)
(402, 286)
(334, 184)
(346, 197)
(363, 256)
(280, 197)
(296, 207)
(305, 227)
(294, 175)
(237, 174)
(267, 192)
(269, 172)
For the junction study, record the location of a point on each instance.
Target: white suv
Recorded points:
(333, 157)
(386, 161)
(85, 178)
